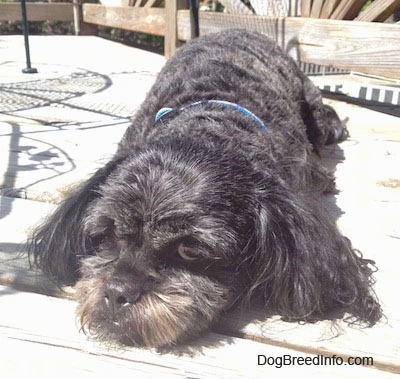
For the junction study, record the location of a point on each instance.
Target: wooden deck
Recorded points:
(58, 126)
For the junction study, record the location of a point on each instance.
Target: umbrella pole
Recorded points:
(29, 69)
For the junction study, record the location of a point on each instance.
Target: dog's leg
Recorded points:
(337, 131)
(323, 124)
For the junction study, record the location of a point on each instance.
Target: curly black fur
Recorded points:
(202, 211)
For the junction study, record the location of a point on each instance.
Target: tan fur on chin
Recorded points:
(157, 319)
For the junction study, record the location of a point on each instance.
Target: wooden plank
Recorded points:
(139, 19)
(210, 22)
(81, 28)
(347, 9)
(364, 47)
(294, 8)
(379, 10)
(317, 6)
(49, 342)
(328, 8)
(356, 46)
(305, 7)
(37, 11)
(171, 41)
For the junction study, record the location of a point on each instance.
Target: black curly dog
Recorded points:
(212, 202)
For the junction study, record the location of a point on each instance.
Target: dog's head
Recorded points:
(167, 235)
(165, 240)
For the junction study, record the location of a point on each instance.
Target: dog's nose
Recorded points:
(118, 295)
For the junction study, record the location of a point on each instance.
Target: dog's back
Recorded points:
(248, 69)
(241, 67)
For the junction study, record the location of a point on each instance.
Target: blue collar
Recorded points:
(164, 111)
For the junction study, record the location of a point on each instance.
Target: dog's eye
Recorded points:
(187, 253)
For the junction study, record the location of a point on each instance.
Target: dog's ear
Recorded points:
(304, 269)
(56, 246)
